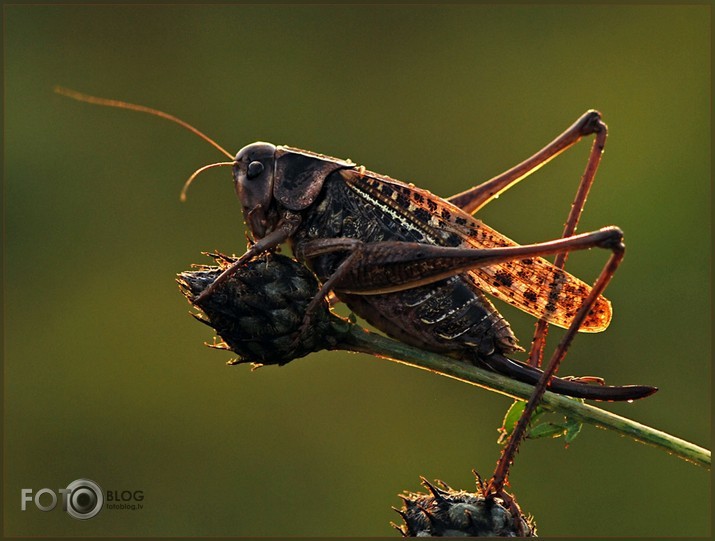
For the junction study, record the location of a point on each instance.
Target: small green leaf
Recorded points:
(573, 429)
(512, 417)
(546, 430)
(510, 420)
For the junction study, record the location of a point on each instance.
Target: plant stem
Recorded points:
(360, 340)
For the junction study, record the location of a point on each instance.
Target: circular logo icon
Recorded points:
(85, 499)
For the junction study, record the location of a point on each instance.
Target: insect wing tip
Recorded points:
(599, 318)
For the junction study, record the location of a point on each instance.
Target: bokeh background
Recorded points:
(105, 373)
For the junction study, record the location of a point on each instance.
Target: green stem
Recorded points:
(355, 338)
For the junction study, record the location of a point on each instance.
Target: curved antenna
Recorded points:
(79, 96)
(196, 173)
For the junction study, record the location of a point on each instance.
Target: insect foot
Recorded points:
(258, 310)
(445, 512)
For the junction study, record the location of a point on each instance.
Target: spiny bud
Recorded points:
(445, 512)
(259, 310)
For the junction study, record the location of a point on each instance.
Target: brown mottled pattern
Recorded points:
(533, 285)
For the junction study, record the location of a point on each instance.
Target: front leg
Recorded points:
(286, 227)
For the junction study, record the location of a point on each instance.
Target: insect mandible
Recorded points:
(417, 266)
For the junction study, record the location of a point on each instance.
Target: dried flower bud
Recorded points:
(259, 311)
(445, 512)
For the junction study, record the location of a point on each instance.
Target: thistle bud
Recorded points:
(445, 512)
(259, 310)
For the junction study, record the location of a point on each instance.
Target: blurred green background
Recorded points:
(106, 376)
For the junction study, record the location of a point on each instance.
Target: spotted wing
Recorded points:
(534, 285)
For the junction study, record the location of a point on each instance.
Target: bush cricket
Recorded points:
(416, 266)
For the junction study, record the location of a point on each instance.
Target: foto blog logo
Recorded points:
(82, 499)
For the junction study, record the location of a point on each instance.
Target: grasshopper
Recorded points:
(416, 266)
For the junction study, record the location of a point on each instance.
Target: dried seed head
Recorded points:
(259, 311)
(445, 512)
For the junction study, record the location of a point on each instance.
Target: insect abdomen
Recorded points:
(447, 316)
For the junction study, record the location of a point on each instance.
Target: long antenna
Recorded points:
(185, 189)
(79, 96)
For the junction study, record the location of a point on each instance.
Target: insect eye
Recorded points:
(254, 169)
